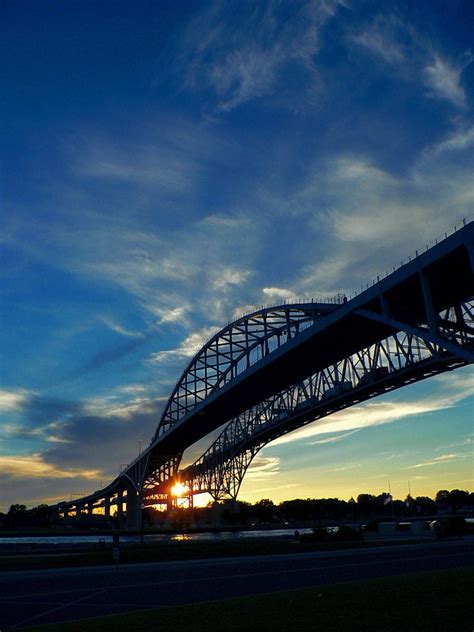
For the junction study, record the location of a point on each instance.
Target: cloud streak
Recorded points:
(263, 468)
(13, 400)
(439, 460)
(240, 56)
(34, 466)
(443, 80)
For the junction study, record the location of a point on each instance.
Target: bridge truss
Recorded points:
(280, 368)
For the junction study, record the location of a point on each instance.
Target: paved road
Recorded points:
(36, 597)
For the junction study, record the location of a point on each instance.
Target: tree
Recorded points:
(16, 510)
(265, 509)
(366, 504)
(442, 496)
(16, 516)
(457, 498)
(425, 505)
(41, 515)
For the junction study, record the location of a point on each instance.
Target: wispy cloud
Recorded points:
(110, 408)
(273, 488)
(178, 314)
(114, 354)
(439, 460)
(443, 79)
(35, 466)
(343, 468)
(166, 161)
(459, 140)
(382, 38)
(228, 277)
(468, 442)
(13, 400)
(335, 438)
(188, 348)
(278, 294)
(240, 56)
(263, 467)
(118, 328)
(414, 57)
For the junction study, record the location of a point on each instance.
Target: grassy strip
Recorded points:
(436, 601)
(174, 551)
(170, 551)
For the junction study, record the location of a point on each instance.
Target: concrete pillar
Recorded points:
(107, 507)
(134, 507)
(120, 505)
(90, 509)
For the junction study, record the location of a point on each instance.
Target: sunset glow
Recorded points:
(179, 490)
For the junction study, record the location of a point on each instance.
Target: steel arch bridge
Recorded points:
(279, 368)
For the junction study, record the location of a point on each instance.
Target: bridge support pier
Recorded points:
(134, 508)
(119, 501)
(107, 507)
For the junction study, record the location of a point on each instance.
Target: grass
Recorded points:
(171, 551)
(437, 601)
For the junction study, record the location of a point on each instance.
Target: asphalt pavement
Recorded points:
(57, 595)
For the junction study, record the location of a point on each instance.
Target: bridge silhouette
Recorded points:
(279, 368)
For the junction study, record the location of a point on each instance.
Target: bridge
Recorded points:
(279, 368)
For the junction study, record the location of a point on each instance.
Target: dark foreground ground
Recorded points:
(59, 595)
(438, 601)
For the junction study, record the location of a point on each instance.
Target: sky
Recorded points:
(166, 166)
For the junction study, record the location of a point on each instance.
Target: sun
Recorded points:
(179, 490)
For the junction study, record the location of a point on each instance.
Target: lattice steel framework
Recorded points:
(398, 360)
(233, 350)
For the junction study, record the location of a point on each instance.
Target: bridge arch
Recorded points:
(235, 348)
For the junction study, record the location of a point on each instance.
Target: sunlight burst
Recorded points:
(179, 490)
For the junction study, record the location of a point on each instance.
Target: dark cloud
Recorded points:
(33, 491)
(38, 410)
(114, 354)
(106, 441)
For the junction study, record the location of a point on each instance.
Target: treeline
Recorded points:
(365, 507)
(19, 516)
(265, 511)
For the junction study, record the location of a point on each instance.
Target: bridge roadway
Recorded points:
(58, 595)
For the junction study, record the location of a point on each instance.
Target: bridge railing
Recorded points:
(412, 257)
(341, 298)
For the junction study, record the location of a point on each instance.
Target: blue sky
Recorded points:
(166, 166)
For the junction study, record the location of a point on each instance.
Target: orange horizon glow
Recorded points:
(179, 490)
